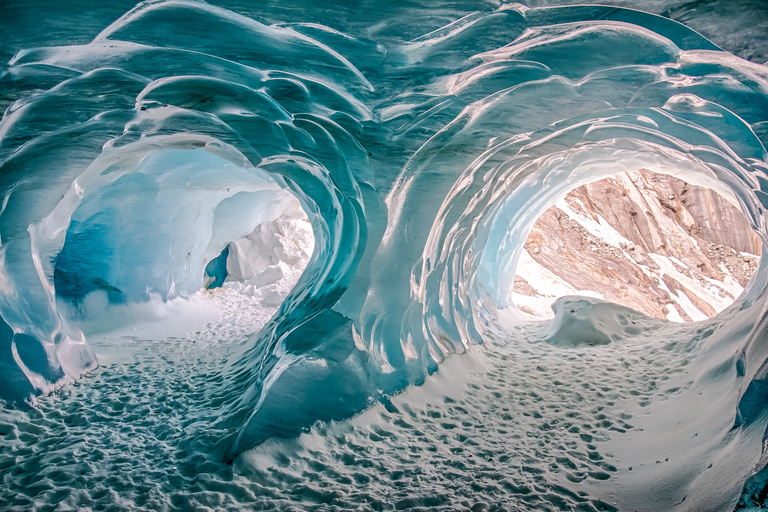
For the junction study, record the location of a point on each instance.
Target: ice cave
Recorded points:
(421, 255)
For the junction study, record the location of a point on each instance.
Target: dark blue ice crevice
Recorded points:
(216, 270)
(165, 141)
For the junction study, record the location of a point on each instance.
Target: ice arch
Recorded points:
(127, 100)
(153, 229)
(143, 219)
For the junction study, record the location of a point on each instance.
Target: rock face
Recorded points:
(645, 240)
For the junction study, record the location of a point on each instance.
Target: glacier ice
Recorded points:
(189, 146)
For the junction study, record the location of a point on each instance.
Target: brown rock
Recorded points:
(658, 214)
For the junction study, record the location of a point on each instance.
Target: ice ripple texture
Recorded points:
(131, 162)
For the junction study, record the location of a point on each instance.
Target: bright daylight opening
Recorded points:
(267, 262)
(645, 240)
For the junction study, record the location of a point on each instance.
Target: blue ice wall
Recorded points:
(126, 165)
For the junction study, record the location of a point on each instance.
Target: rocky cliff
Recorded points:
(646, 240)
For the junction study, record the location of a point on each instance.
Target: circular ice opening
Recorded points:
(649, 241)
(170, 225)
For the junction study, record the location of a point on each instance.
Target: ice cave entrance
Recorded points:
(176, 223)
(646, 240)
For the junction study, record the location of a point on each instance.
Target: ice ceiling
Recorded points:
(421, 144)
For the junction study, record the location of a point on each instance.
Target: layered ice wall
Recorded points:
(130, 163)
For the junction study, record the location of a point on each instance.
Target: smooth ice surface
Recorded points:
(378, 363)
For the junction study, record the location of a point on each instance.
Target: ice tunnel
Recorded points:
(264, 256)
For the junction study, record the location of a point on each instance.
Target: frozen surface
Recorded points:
(150, 151)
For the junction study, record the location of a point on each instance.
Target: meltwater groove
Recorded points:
(262, 258)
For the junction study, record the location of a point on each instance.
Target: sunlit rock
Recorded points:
(645, 240)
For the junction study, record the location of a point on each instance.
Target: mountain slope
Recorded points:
(646, 240)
